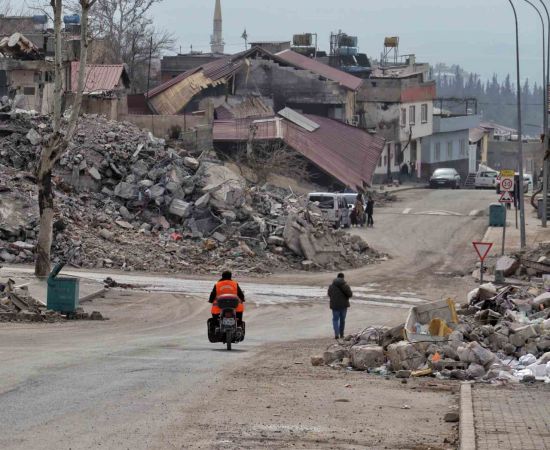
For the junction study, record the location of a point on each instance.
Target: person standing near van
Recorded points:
(370, 211)
(339, 294)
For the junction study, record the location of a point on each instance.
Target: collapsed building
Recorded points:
(27, 69)
(260, 96)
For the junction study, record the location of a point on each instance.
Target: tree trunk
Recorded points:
(45, 204)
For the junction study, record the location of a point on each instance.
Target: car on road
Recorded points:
(334, 208)
(445, 178)
(486, 179)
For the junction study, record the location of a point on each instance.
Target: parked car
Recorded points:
(333, 206)
(445, 178)
(486, 179)
(527, 182)
(350, 198)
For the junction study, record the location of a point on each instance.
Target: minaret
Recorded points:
(216, 41)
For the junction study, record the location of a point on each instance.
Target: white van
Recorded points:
(334, 208)
(486, 179)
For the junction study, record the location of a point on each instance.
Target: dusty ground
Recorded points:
(148, 378)
(287, 403)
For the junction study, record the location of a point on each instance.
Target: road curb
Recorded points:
(396, 190)
(467, 435)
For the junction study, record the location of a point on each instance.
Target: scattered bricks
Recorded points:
(452, 417)
(180, 208)
(367, 356)
(520, 335)
(403, 374)
(404, 355)
(507, 265)
(96, 315)
(317, 360)
(335, 353)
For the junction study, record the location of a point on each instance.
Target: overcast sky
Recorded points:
(477, 34)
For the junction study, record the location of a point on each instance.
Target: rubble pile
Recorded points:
(16, 305)
(127, 200)
(500, 334)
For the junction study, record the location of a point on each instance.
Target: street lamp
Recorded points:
(520, 134)
(546, 82)
(544, 113)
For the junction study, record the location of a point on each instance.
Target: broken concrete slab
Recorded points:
(507, 265)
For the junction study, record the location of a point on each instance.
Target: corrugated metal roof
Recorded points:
(215, 70)
(298, 119)
(331, 73)
(99, 78)
(347, 153)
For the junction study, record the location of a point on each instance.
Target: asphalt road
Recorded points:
(125, 382)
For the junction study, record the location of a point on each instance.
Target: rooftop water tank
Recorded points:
(40, 20)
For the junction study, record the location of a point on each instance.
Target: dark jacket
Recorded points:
(240, 293)
(339, 293)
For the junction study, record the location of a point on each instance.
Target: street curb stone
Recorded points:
(467, 433)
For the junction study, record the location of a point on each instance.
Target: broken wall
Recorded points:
(290, 86)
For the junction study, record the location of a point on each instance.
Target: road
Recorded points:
(147, 378)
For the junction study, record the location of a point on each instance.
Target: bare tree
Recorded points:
(58, 141)
(266, 158)
(128, 28)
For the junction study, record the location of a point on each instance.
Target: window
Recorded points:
(28, 90)
(403, 117)
(380, 161)
(424, 113)
(437, 152)
(450, 150)
(412, 115)
(462, 147)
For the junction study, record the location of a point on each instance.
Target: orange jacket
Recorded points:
(226, 287)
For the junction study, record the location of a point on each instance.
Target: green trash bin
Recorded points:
(497, 214)
(63, 292)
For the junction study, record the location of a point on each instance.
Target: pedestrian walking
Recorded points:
(370, 211)
(339, 294)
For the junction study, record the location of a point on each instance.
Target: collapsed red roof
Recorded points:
(348, 153)
(99, 78)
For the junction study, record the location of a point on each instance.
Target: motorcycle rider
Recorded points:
(226, 286)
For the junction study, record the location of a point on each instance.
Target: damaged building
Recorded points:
(27, 68)
(397, 104)
(257, 95)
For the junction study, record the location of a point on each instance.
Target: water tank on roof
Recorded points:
(40, 20)
(73, 19)
(347, 51)
(347, 41)
(302, 40)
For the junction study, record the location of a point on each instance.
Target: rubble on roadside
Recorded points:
(16, 305)
(126, 200)
(501, 334)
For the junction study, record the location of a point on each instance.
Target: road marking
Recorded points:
(385, 305)
(437, 213)
(394, 299)
(407, 211)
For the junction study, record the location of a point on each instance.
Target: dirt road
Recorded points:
(148, 378)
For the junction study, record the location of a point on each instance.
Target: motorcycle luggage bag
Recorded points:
(227, 302)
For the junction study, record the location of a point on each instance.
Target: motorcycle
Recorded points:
(227, 329)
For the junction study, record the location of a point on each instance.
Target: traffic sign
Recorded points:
(507, 173)
(507, 184)
(482, 249)
(506, 197)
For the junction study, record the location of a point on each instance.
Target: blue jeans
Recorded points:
(339, 321)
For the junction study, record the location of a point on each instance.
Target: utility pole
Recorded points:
(520, 134)
(545, 162)
(245, 37)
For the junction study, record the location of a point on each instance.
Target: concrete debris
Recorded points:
(500, 335)
(16, 305)
(160, 208)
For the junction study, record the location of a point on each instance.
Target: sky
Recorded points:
(476, 34)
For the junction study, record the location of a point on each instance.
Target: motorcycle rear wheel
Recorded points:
(228, 340)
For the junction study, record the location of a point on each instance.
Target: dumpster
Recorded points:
(63, 292)
(497, 214)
